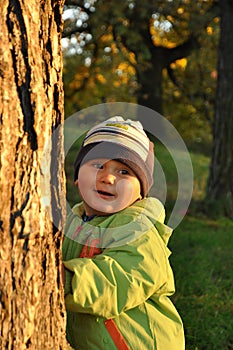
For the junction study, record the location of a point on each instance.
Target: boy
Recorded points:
(117, 276)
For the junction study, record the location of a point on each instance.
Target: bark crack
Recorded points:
(18, 213)
(15, 22)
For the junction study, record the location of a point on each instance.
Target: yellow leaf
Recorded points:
(209, 30)
(101, 78)
(182, 63)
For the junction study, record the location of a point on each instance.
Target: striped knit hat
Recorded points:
(122, 140)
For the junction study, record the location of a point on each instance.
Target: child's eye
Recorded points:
(124, 172)
(97, 165)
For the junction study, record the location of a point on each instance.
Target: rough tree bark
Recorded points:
(220, 183)
(31, 107)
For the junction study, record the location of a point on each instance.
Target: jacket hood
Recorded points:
(154, 210)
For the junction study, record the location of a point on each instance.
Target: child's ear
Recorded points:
(76, 183)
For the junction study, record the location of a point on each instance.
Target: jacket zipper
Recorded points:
(116, 335)
(89, 250)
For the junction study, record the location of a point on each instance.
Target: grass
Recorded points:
(202, 261)
(201, 258)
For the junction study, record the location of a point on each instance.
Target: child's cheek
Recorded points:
(125, 189)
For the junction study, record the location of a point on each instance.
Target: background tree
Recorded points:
(220, 183)
(31, 107)
(132, 51)
(157, 33)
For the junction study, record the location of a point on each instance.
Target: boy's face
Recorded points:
(107, 186)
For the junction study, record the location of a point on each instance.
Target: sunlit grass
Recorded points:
(202, 263)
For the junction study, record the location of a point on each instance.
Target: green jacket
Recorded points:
(118, 281)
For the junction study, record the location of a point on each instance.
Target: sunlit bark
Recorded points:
(31, 106)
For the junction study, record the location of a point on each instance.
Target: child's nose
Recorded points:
(108, 177)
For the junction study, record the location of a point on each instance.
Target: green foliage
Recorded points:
(101, 74)
(124, 35)
(190, 94)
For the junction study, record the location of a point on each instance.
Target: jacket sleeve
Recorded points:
(120, 278)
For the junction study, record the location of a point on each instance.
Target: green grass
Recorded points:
(202, 263)
(201, 258)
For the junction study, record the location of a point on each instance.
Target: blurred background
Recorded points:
(175, 57)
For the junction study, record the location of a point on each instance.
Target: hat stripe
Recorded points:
(105, 133)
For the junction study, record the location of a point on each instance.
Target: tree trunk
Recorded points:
(31, 107)
(220, 182)
(150, 85)
(150, 74)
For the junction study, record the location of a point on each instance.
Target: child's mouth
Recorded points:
(104, 193)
